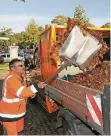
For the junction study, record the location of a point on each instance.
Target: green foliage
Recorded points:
(80, 14)
(32, 33)
(5, 32)
(28, 38)
(17, 38)
(59, 20)
(107, 25)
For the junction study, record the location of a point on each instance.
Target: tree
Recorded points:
(59, 20)
(41, 29)
(32, 33)
(5, 32)
(28, 38)
(17, 38)
(80, 14)
(106, 25)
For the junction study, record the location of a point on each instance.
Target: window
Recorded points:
(3, 56)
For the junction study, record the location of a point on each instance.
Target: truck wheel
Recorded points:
(67, 130)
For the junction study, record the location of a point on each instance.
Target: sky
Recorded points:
(17, 14)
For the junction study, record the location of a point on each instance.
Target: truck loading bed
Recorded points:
(86, 103)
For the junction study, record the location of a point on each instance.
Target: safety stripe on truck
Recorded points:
(94, 108)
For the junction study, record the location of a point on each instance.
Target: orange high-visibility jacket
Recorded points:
(14, 97)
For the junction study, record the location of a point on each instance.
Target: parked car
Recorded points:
(6, 57)
(1, 59)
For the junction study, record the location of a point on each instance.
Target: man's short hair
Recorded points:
(13, 61)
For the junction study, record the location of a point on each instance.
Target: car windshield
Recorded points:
(3, 56)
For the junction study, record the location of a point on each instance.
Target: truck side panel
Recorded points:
(76, 99)
(81, 100)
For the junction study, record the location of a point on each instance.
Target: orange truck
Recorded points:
(79, 109)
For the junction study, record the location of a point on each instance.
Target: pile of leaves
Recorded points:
(61, 39)
(97, 72)
(96, 78)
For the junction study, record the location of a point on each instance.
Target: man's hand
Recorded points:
(33, 96)
(41, 85)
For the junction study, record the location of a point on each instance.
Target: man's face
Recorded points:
(19, 68)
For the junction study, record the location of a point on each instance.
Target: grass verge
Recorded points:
(4, 65)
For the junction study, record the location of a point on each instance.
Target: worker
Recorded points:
(27, 60)
(14, 98)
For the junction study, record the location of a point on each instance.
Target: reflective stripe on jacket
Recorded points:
(14, 97)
